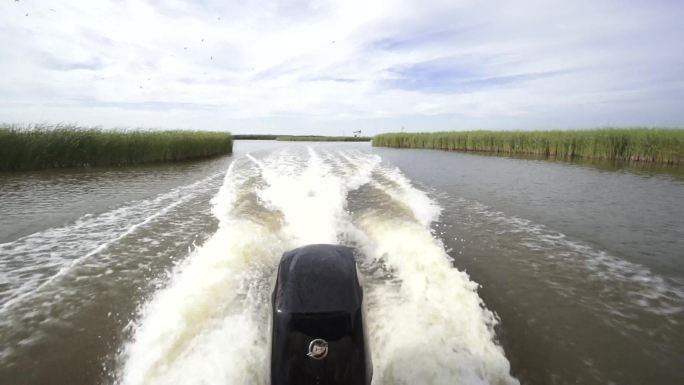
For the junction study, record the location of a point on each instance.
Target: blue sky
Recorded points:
(332, 67)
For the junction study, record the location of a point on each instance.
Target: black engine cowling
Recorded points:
(319, 333)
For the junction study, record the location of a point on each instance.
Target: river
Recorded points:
(476, 269)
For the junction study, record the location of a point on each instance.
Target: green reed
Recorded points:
(57, 146)
(302, 138)
(316, 138)
(254, 137)
(629, 144)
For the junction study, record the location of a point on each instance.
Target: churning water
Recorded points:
(210, 325)
(171, 284)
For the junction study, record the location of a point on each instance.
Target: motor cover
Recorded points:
(319, 334)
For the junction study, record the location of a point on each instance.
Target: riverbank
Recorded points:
(254, 137)
(61, 146)
(303, 138)
(318, 138)
(637, 144)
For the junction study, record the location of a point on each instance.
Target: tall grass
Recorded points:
(302, 138)
(319, 138)
(636, 144)
(254, 137)
(43, 146)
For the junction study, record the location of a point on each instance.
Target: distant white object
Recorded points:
(356, 133)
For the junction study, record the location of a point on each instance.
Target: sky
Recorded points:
(331, 67)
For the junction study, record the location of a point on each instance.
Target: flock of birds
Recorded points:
(140, 86)
(185, 48)
(51, 9)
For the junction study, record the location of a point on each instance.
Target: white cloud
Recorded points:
(296, 66)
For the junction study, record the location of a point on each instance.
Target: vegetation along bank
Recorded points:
(57, 146)
(630, 144)
(302, 138)
(317, 138)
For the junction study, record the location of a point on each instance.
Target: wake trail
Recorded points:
(55, 252)
(211, 324)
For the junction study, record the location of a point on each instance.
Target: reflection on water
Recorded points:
(37, 200)
(649, 169)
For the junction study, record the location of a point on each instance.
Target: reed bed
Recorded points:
(636, 144)
(316, 138)
(302, 138)
(58, 146)
(254, 137)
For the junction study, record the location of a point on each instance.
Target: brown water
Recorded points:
(160, 274)
(583, 263)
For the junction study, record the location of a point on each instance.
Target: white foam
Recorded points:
(424, 209)
(427, 324)
(210, 325)
(50, 254)
(198, 330)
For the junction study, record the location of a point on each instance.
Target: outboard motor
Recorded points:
(319, 333)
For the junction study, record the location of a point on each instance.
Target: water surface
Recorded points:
(477, 269)
(583, 263)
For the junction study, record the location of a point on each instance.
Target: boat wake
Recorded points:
(33, 262)
(211, 324)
